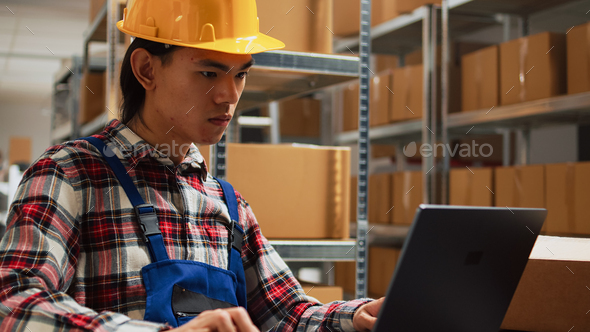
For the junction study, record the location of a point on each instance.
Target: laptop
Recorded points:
(459, 268)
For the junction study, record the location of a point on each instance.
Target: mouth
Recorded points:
(221, 121)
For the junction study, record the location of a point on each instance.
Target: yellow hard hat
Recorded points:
(229, 26)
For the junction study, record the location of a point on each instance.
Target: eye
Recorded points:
(242, 75)
(209, 74)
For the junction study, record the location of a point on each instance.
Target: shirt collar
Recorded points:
(131, 147)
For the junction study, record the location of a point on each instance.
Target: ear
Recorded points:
(142, 64)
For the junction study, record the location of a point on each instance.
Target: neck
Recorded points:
(163, 139)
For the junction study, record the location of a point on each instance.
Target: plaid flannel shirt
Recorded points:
(72, 256)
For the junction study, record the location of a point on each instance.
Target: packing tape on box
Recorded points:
(570, 199)
(524, 49)
(516, 198)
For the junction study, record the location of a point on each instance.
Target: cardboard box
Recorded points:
(92, 96)
(347, 15)
(19, 150)
(299, 117)
(551, 294)
(382, 151)
(520, 186)
(406, 101)
(578, 59)
(566, 197)
(350, 107)
(296, 191)
(456, 51)
(303, 25)
(381, 62)
(345, 276)
(472, 189)
(532, 68)
(382, 262)
(95, 6)
(480, 79)
(486, 149)
(380, 96)
(380, 201)
(407, 196)
(323, 293)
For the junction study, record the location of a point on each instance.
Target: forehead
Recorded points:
(187, 54)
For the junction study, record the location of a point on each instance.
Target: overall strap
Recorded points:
(146, 213)
(234, 249)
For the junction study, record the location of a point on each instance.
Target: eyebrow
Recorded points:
(221, 66)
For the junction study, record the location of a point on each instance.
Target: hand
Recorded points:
(220, 320)
(365, 317)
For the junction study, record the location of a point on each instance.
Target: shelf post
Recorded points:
(428, 134)
(113, 56)
(445, 103)
(275, 128)
(363, 144)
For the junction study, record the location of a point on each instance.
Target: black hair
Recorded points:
(132, 91)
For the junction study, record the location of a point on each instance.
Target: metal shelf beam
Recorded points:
(315, 250)
(279, 75)
(386, 133)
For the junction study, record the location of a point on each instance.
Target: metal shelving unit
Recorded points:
(68, 79)
(409, 32)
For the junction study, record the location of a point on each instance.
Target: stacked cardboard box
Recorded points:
(345, 276)
(350, 107)
(281, 181)
(303, 25)
(323, 293)
(480, 79)
(95, 6)
(406, 101)
(380, 96)
(299, 117)
(92, 96)
(19, 150)
(532, 68)
(567, 197)
(520, 186)
(380, 201)
(382, 151)
(382, 262)
(551, 293)
(578, 59)
(407, 196)
(471, 187)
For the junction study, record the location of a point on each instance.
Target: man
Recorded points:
(76, 257)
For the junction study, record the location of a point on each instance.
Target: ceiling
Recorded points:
(35, 36)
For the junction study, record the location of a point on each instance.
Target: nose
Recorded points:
(227, 91)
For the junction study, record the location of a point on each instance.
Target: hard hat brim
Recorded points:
(251, 45)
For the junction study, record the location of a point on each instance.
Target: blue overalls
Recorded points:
(179, 290)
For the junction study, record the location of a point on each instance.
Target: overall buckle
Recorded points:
(148, 220)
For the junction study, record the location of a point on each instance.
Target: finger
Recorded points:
(242, 320)
(214, 320)
(367, 321)
(374, 307)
